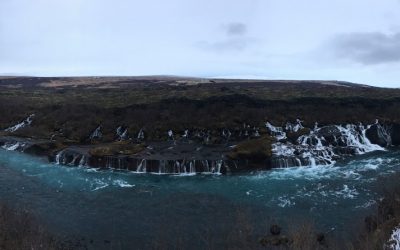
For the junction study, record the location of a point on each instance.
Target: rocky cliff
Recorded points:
(168, 125)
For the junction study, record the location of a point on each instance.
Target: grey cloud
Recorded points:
(236, 29)
(234, 38)
(368, 48)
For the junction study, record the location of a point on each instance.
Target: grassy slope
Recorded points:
(79, 105)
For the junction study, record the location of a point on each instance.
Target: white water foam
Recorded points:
(122, 183)
(347, 193)
(13, 146)
(98, 184)
(352, 137)
(314, 149)
(276, 131)
(24, 123)
(394, 241)
(285, 202)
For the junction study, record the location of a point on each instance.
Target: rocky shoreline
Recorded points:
(252, 148)
(185, 126)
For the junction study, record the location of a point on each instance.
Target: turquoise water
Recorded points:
(119, 210)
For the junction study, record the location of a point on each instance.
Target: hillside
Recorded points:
(124, 115)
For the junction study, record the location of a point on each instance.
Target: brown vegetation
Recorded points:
(116, 148)
(20, 231)
(255, 149)
(379, 226)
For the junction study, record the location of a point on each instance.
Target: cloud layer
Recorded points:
(282, 39)
(236, 29)
(369, 48)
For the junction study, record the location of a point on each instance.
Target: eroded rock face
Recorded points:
(330, 133)
(377, 134)
(244, 149)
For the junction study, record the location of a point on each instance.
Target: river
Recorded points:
(124, 210)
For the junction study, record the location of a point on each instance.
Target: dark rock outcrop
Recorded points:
(254, 154)
(396, 134)
(378, 135)
(330, 133)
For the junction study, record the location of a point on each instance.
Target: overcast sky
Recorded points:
(353, 40)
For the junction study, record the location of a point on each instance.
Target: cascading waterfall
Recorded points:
(383, 133)
(59, 158)
(140, 135)
(70, 158)
(12, 146)
(276, 131)
(122, 133)
(185, 167)
(24, 123)
(321, 146)
(83, 161)
(355, 137)
(294, 127)
(141, 168)
(96, 134)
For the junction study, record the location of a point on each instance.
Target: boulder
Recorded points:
(293, 136)
(329, 133)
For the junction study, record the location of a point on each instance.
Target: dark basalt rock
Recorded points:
(42, 149)
(293, 136)
(345, 150)
(329, 133)
(275, 230)
(396, 134)
(375, 136)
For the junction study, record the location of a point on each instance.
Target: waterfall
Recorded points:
(71, 157)
(96, 134)
(74, 160)
(60, 157)
(12, 146)
(384, 133)
(170, 135)
(140, 135)
(141, 168)
(24, 123)
(276, 131)
(294, 127)
(161, 167)
(355, 136)
(122, 133)
(83, 161)
(321, 146)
